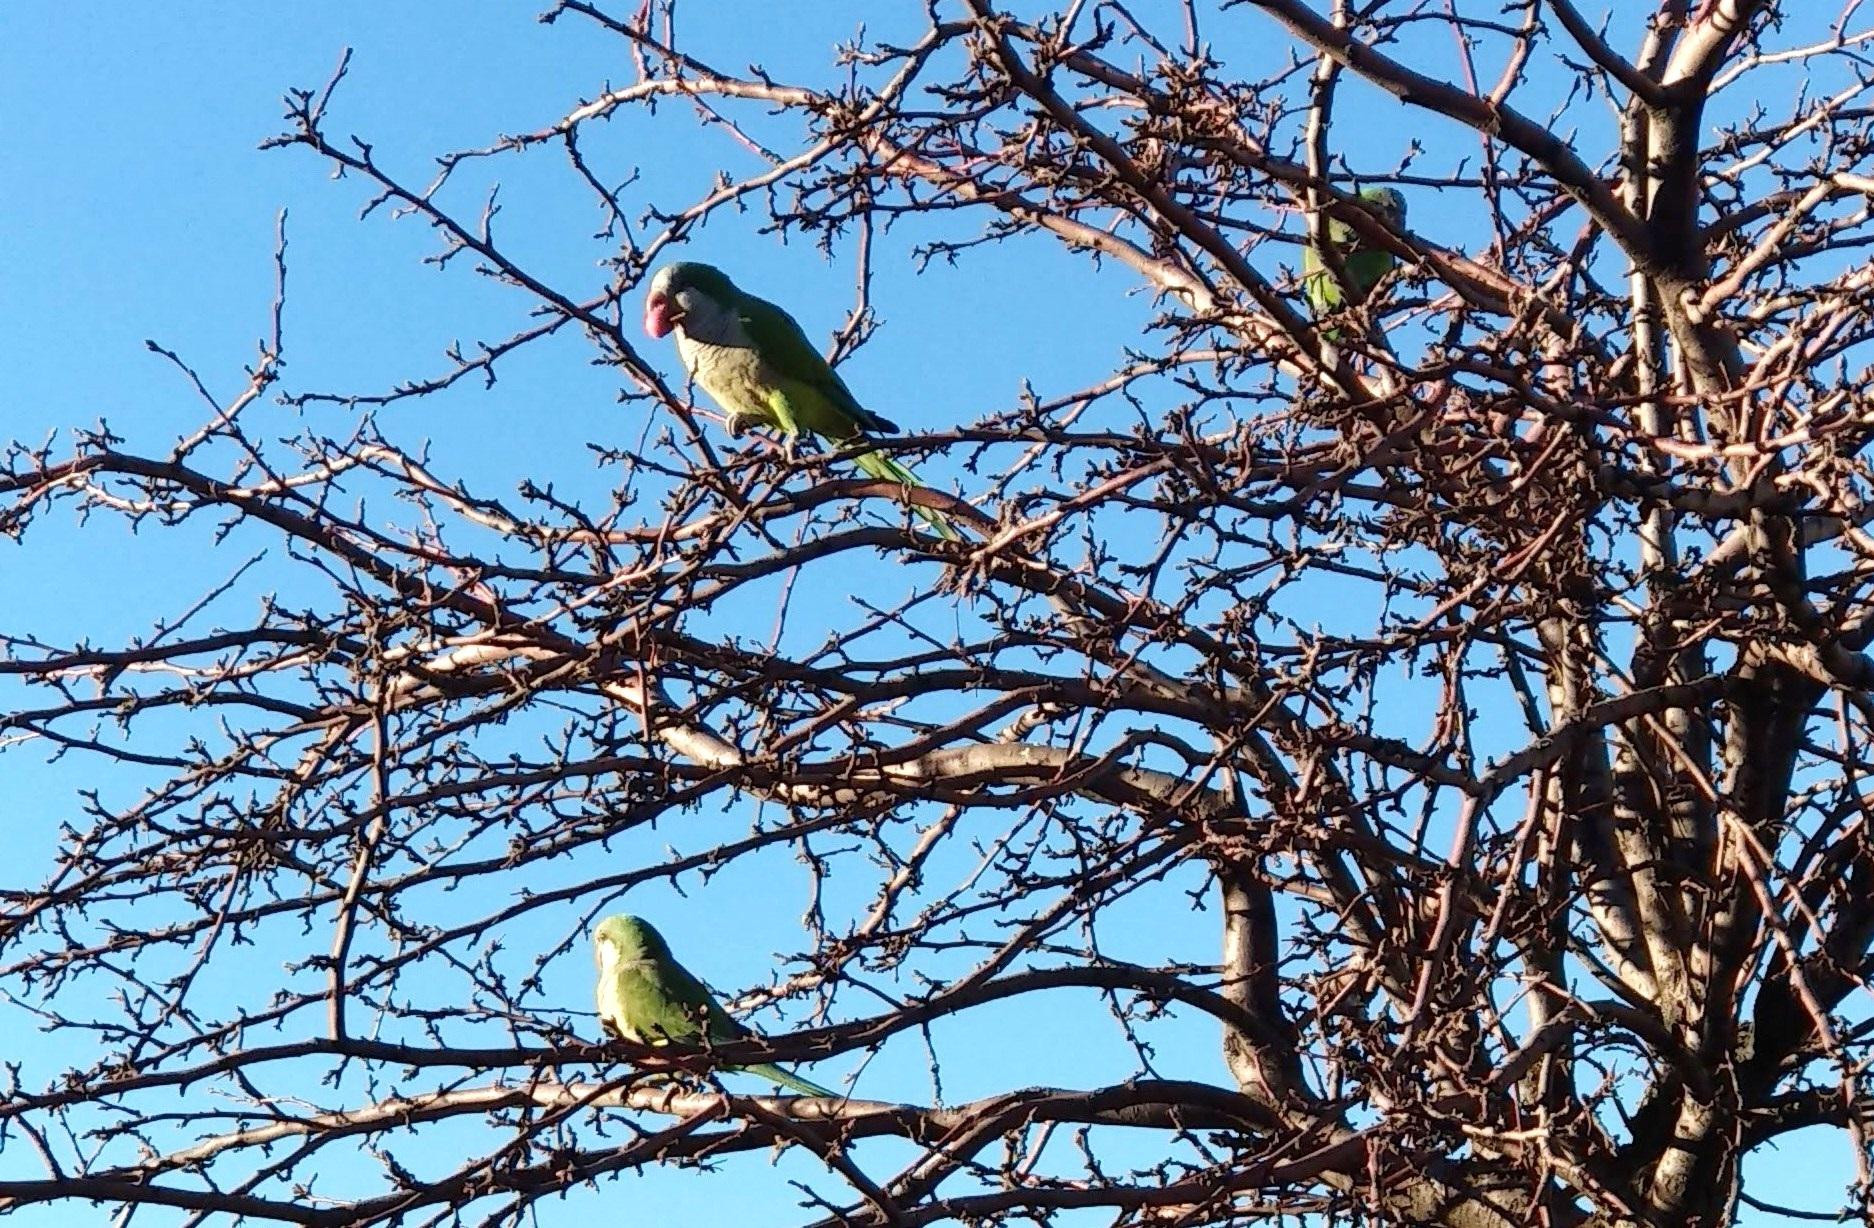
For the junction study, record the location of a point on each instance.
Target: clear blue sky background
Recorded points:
(134, 206)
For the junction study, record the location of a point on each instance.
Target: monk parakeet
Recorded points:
(752, 358)
(1365, 265)
(646, 996)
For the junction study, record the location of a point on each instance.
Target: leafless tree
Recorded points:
(1495, 658)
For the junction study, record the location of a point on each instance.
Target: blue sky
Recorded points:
(135, 206)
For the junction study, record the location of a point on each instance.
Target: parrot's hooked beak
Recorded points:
(661, 314)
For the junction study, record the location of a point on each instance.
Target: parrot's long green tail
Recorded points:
(885, 469)
(774, 1074)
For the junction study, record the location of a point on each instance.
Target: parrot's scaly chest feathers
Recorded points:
(719, 355)
(733, 376)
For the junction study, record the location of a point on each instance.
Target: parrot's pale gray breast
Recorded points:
(717, 353)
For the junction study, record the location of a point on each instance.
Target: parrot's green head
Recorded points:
(685, 287)
(625, 939)
(1389, 203)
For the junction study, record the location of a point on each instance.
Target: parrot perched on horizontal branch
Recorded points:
(646, 996)
(1365, 266)
(752, 358)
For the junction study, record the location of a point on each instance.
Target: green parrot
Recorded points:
(646, 996)
(1365, 265)
(752, 358)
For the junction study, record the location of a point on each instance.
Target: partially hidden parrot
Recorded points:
(752, 358)
(1365, 265)
(646, 996)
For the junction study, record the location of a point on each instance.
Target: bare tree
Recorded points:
(1498, 660)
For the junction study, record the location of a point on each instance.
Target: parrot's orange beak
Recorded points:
(659, 318)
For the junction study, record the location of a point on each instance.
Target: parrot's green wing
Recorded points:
(1365, 267)
(821, 401)
(811, 396)
(660, 1002)
(664, 1004)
